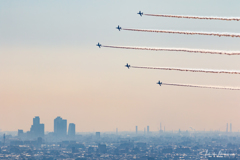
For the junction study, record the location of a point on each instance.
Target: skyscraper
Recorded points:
(230, 127)
(37, 129)
(60, 127)
(71, 130)
(36, 120)
(147, 129)
(227, 128)
(136, 129)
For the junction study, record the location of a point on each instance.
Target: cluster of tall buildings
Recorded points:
(148, 130)
(37, 129)
(60, 129)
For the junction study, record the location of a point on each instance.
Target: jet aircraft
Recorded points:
(140, 13)
(99, 45)
(160, 83)
(127, 65)
(119, 28)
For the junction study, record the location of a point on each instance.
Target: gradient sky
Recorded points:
(50, 65)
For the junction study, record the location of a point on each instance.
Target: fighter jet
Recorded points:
(127, 65)
(119, 28)
(140, 13)
(99, 45)
(160, 83)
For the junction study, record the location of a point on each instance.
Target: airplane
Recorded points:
(99, 45)
(140, 13)
(127, 65)
(160, 83)
(119, 28)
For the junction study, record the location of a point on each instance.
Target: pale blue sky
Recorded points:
(83, 23)
(50, 65)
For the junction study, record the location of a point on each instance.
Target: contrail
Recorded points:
(194, 17)
(175, 49)
(200, 86)
(184, 32)
(188, 70)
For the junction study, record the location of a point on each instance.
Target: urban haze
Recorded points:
(144, 80)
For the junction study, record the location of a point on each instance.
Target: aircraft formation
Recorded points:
(183, 49)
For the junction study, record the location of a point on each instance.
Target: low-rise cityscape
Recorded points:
(65, 143)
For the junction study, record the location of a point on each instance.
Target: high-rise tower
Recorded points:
(36, 120)
(71, 130)
(60, 127)
(37, 129)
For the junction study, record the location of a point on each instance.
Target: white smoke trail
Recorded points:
(183, 32)
(188, 70)
(201, 86)
(176, 49)
(195, 17)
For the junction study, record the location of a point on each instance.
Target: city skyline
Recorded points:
(60, 129)
(50, 65)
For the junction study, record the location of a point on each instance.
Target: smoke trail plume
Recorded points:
(194, 17)
(176, 49)
(201, 86)
(188, 70)
(183, 32)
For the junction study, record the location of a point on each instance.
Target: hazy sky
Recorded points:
(50, 65)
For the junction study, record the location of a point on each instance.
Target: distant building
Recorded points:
(39, 140)
(60, 127)
(102, 148)
(37, 129)
(136, 129)
(36, 120)
(20, 133)
(230, 127)
(98, 134)
(147, 129)
(71, 130)
(227, 128)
